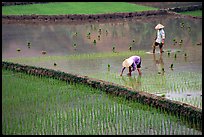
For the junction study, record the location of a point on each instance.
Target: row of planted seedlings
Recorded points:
(76, 35)
(183, 82)
(179, 44)
(191, 115)
(93, 35)
(148, 87)
(173, 83)
(96, 33)
(50, 106)
(187, 85)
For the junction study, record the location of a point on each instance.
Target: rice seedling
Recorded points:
(99, 31)
(94, 42)
(106, 32)
(18, 49)
(189, 29)
(182, 25)
(75, 34)
(108, 67)
(163, 95)
(44, 52)
(88, 35)
(55, 64)
(168, 54)
(130, 48)
(185, 55)
(175, 41)
(99, 37)
(113, 49)
(75, 46)
(175, 55)
(172, 66)
(180, 42)
(28, 44)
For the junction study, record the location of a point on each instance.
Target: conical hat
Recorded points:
(126, 63)
(159, 26)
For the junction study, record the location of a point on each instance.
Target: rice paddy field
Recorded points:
(193, 13)
(45, 106)
(98, 49)
(38, 105)
(55, 8)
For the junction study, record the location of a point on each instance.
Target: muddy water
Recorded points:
(69, 39)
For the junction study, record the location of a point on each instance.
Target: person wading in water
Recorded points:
(160, 37)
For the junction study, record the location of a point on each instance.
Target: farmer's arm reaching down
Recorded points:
(133, 66)
(122, 71)
(139, 71)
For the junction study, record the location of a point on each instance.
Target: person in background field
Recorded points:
(132, 63)
(160, 37)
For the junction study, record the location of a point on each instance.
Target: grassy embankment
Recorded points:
(73, 8)
(197, 13)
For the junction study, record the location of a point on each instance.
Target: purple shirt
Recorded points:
(136, 61)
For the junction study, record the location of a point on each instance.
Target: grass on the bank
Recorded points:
(56, 8)
(197, 13)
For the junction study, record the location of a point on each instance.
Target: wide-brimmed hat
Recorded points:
(126, 63)
(159, 26)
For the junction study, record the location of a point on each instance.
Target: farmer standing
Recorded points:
(132, 63)
(160, 37)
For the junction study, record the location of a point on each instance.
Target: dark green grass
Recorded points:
(197, 13)
(73, 8)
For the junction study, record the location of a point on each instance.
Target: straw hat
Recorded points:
(159, 26)
(127, 63)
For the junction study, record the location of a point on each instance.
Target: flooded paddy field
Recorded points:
(98, 49)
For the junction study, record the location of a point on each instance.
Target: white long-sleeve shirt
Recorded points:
(160, 35)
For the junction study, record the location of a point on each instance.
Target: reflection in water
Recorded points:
(159, 64)
(133, 82)
(59, 39)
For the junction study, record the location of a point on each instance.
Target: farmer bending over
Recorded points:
(132, 63)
